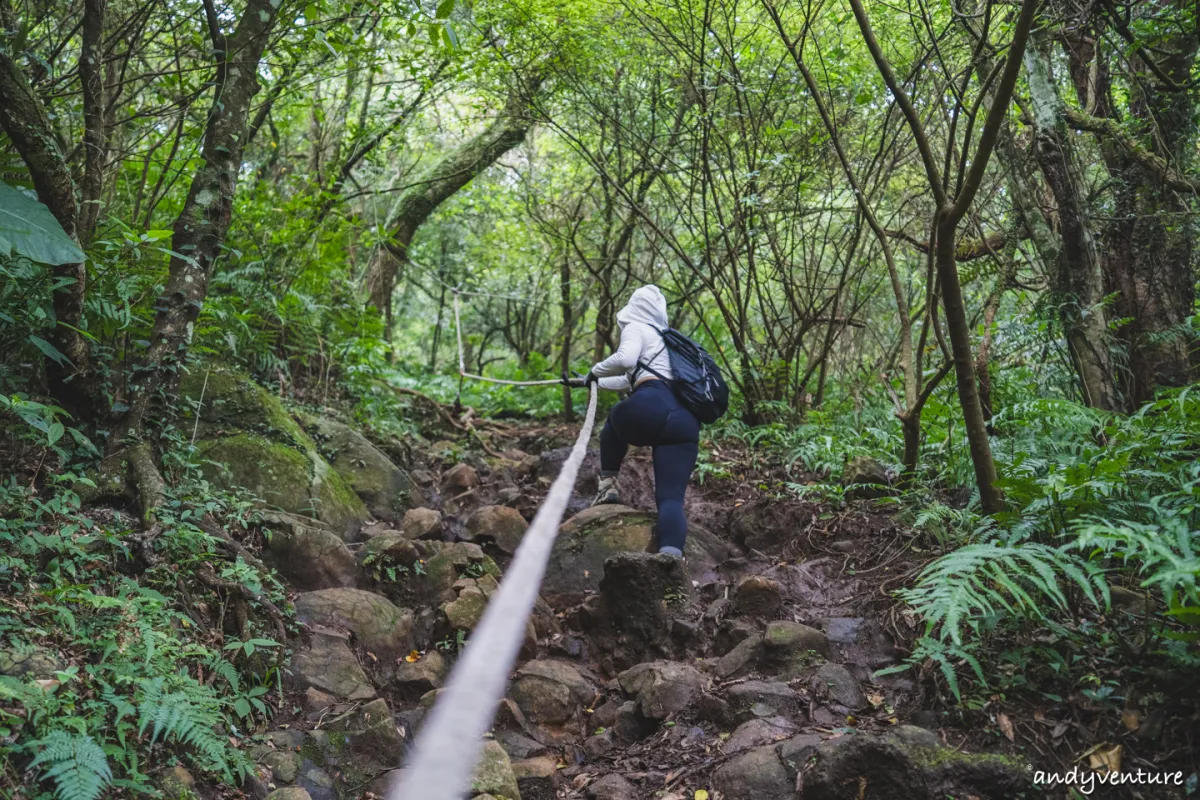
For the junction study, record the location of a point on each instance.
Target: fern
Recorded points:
(191, 716)
(75, 763)
(981, 581)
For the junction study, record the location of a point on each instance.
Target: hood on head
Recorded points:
(646, 305)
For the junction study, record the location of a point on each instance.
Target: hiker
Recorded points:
(651, 416)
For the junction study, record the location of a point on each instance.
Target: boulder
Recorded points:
(422, 523)
(465, 612)
(458, 479)
(414, 678)
(284, 765)
(494, 773)
(178, 783)
(537, 778)
(389, 549)
(756, 774)
(308, 554)
(834, 682)
(909, 763)
(767, 525)
(757, 596)
(642, 593)
(758, 732)
(519, 746)
(551, 692)
(445, 564)
(247, 440)
(611, 787)
(30, 661)
(796, 751)
(289, 793)
(499, 524)
(379, 627)
(385, 489)
(789, 647)
(662, 688)
(592, 536)
(328, 665)
(741, 659)
(371, 743)
(866, 477)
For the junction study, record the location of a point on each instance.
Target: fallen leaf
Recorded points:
(1131, 719)
(413, 657)
(875, 699)
(1006, 727)
(701, 794)
(1105, 758)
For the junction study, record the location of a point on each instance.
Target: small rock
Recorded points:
(611, 787)
(283, 764)
(835, 682)
(550, 692)
(494, 773)
(740, 659)
(757, 596)
(756, 774)
(758, 732)
(796, 751)
(662, 688)
(625, 720)
(763, 699)
(458, 479)
(378, 625)
(422, 523)
(843, 546)
(389, 549)
(509, 495)
(519, 746)
(32, 661)
(598, 746)
(789, 646)
(465, 612)
(328, 665)
(177, 782)
(731, 632)
(316, 701)
(866, 478)
(926, 718)
(844, 630)
(316, 782)
(289, 793)
(1131, 602)
(537, 778)
(413, 679)
(500, 524)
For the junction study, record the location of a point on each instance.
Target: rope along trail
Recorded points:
(450, 741)
(451, 738)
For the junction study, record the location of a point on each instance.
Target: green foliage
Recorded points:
(29, 230)
(74, 762)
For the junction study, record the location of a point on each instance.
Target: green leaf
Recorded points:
(50, 351)
(242, 707)
(28, 229)
(445, 9)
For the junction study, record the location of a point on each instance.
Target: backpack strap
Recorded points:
(648, 368)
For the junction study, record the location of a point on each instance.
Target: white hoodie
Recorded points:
(640, 321)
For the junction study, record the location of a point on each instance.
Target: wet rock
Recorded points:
(458, 479)
(328, 665)
(384, 488)
(379, 627)
(611, 787)
(642, 593)
(422, 523)
(756, 774)
(519, 746)
(662, 688)
(289, 793)
(499, 524)
(307, 554)
(758, 732)
(414, 679)
(465, 612)
(757, 596)
(762, 699)
(537, 778)
(741, 659)
(494, 773)
(909, 764)
(551, 692)
(788, 647)
(866, 478)
(834, 681)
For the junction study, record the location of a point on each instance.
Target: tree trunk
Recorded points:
(564, 287)
(25, 120)
(201, 226)
(95, 134)
(1078, 274)
(451, 173)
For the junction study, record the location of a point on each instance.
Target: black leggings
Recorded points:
(653, 417)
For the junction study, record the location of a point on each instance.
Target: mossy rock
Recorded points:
(386, 489)
(248, 440)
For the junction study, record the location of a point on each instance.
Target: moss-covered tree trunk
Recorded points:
(201, 226)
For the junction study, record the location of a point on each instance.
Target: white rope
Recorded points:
(462, 359)
(450, 741)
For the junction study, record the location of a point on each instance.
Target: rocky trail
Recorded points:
(746, 671)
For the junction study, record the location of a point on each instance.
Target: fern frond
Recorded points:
(75, 763)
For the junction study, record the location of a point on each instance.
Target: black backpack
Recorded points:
(698, 382)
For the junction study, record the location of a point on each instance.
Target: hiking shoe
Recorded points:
(674, 552)
(607, 493)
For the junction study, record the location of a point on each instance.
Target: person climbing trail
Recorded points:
(651, 416)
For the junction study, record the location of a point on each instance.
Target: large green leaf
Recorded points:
(28, 229)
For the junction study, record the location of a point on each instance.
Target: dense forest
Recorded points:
(253, 499)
